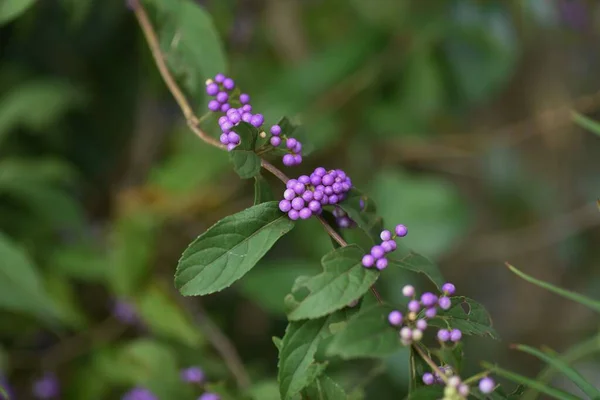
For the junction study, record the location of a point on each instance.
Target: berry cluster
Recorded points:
(221, 88)
(413, 328)
(455, 388)
(306, 196)
(388, 244)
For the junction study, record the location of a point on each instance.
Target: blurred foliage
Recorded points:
(454, 115)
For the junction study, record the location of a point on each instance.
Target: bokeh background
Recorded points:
(455, 116)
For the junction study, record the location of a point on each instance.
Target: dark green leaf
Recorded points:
(297, 367)
(245, 163)
(248, 135)
(586, 301)
(229, 249)
(451, 355)
(262, 190)
(190, 43)
(427, 393)
(405, 258)
(586, 123)
(367, 335)
(343, 280)
(365, 216)
(325, 388)
(589, 389)
(540, 387)
(468, 316)
(11, 9)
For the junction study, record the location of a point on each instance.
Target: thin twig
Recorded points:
(430, 362)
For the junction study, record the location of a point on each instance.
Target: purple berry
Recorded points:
(387, 246)
(444, 302)
(228, 84)
(414, 306)
(320, 171)
(275, 141)
(421, 324)
(443, 335)
(226, 126)
(139, 393)
(377, 251)
(290, 143)
(344, 222)
(224, 138)
(328, 190)
(395, 318)
(428, 378)
(235, 117)
(288, 160)
(244, 98)
(299, 188)
(304, 179)
(231, 146)
(246, 108)
(276, 130)
(448, 288)
(214, 105)
(212, 89)
(192, 375)
(297, 159)
(368, 260)
(290, 184)
(257, 120)
(430, 312)
(285, 205)
(317, 195)
(289, 194)
(333, 199)
(247, 117)
(408, 291)
(337, 187)
(463, 390)
(222, 97)
(293, 214)
(305, 213)
(298, 203)
(209, 396)
(455, 335)
(225, 107)
(47, 387)
(297, 148)
(307, 196)
(125, 312)
(233, 137)
(219, 78)
(487, 385)
(223, 119)
(381, 264)
(314, 206)
(401, 230)
(327, 180)
(385, 235)
(428, 299)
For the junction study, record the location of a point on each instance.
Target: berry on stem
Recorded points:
(408, 291)
(487, 385)
(395, 318)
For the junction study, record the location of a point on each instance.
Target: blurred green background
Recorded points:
(453, 115)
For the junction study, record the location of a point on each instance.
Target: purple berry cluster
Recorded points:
(455, 388)
(221, 89)
(306, 196)
(412, 327)
(388, 244)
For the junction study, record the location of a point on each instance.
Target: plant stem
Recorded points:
(430, 362)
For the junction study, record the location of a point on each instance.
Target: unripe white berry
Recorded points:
(408, 291)
(417, 335)
(406, 333)
(454, 381)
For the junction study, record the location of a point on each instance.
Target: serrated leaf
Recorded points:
(245, 163)
(586, 123)
(229, 249)
(590, 390)
(11, 9)
(586, 301)
(540, 387)
(277, 342)
(297, 367)
(262, 190)
(325, 388)
(190, 43)
(343, 280)
(405, 258)
(426, 393)
(367, 335)
(468, 316)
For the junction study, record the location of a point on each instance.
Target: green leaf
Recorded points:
(229, 249)
(366, 335)
(427, 393)
(262, 190)
(451, 355)
(365, 216)
(468, 316)
(190, 43)
(405, 258)
(325, 388)
(297, 367)
(163, 316)
(540, 387)
(11, 9)
(586, 301)
(264, 390)
(590, 390)
(245, 163)
(21, 289)
(343, 280)
(248, 135)
(586, 123)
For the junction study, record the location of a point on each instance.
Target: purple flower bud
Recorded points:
(401, 230)
(209, 396)
(395, 318)
(228, 84)
(443, 335)
(408, 291)
(293, 214)
(444, 302)
(385, 235)
(212, 89)
(275, 141)
(244, 98)
(214, 105)
(222, 97)
(421, 324)
(46, 387)
(448, 288)
(219, 78)
(455, 335)
(487, 385)
(257, 120)
(430, 312)
(276, 130)
(288, 160)
(414, 306)
(381, 264)
(428, 299)
(192, 374)
(285, 205)
(428, 378)
(368, 260)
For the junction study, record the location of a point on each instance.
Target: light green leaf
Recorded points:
(590, 390)
(343, 280)
(262, 190)
(427, 393)
(190, 43)
(586, 301)
(468, 316)
(297, 367)
(325, 388)
(405, 258)
(265, 390)
(21, 288)
(230, 248)
(34, 172)
(162, 315)
(540, 387)
(245, 163)
(367, 335)
(11, 9)
(586, 123)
